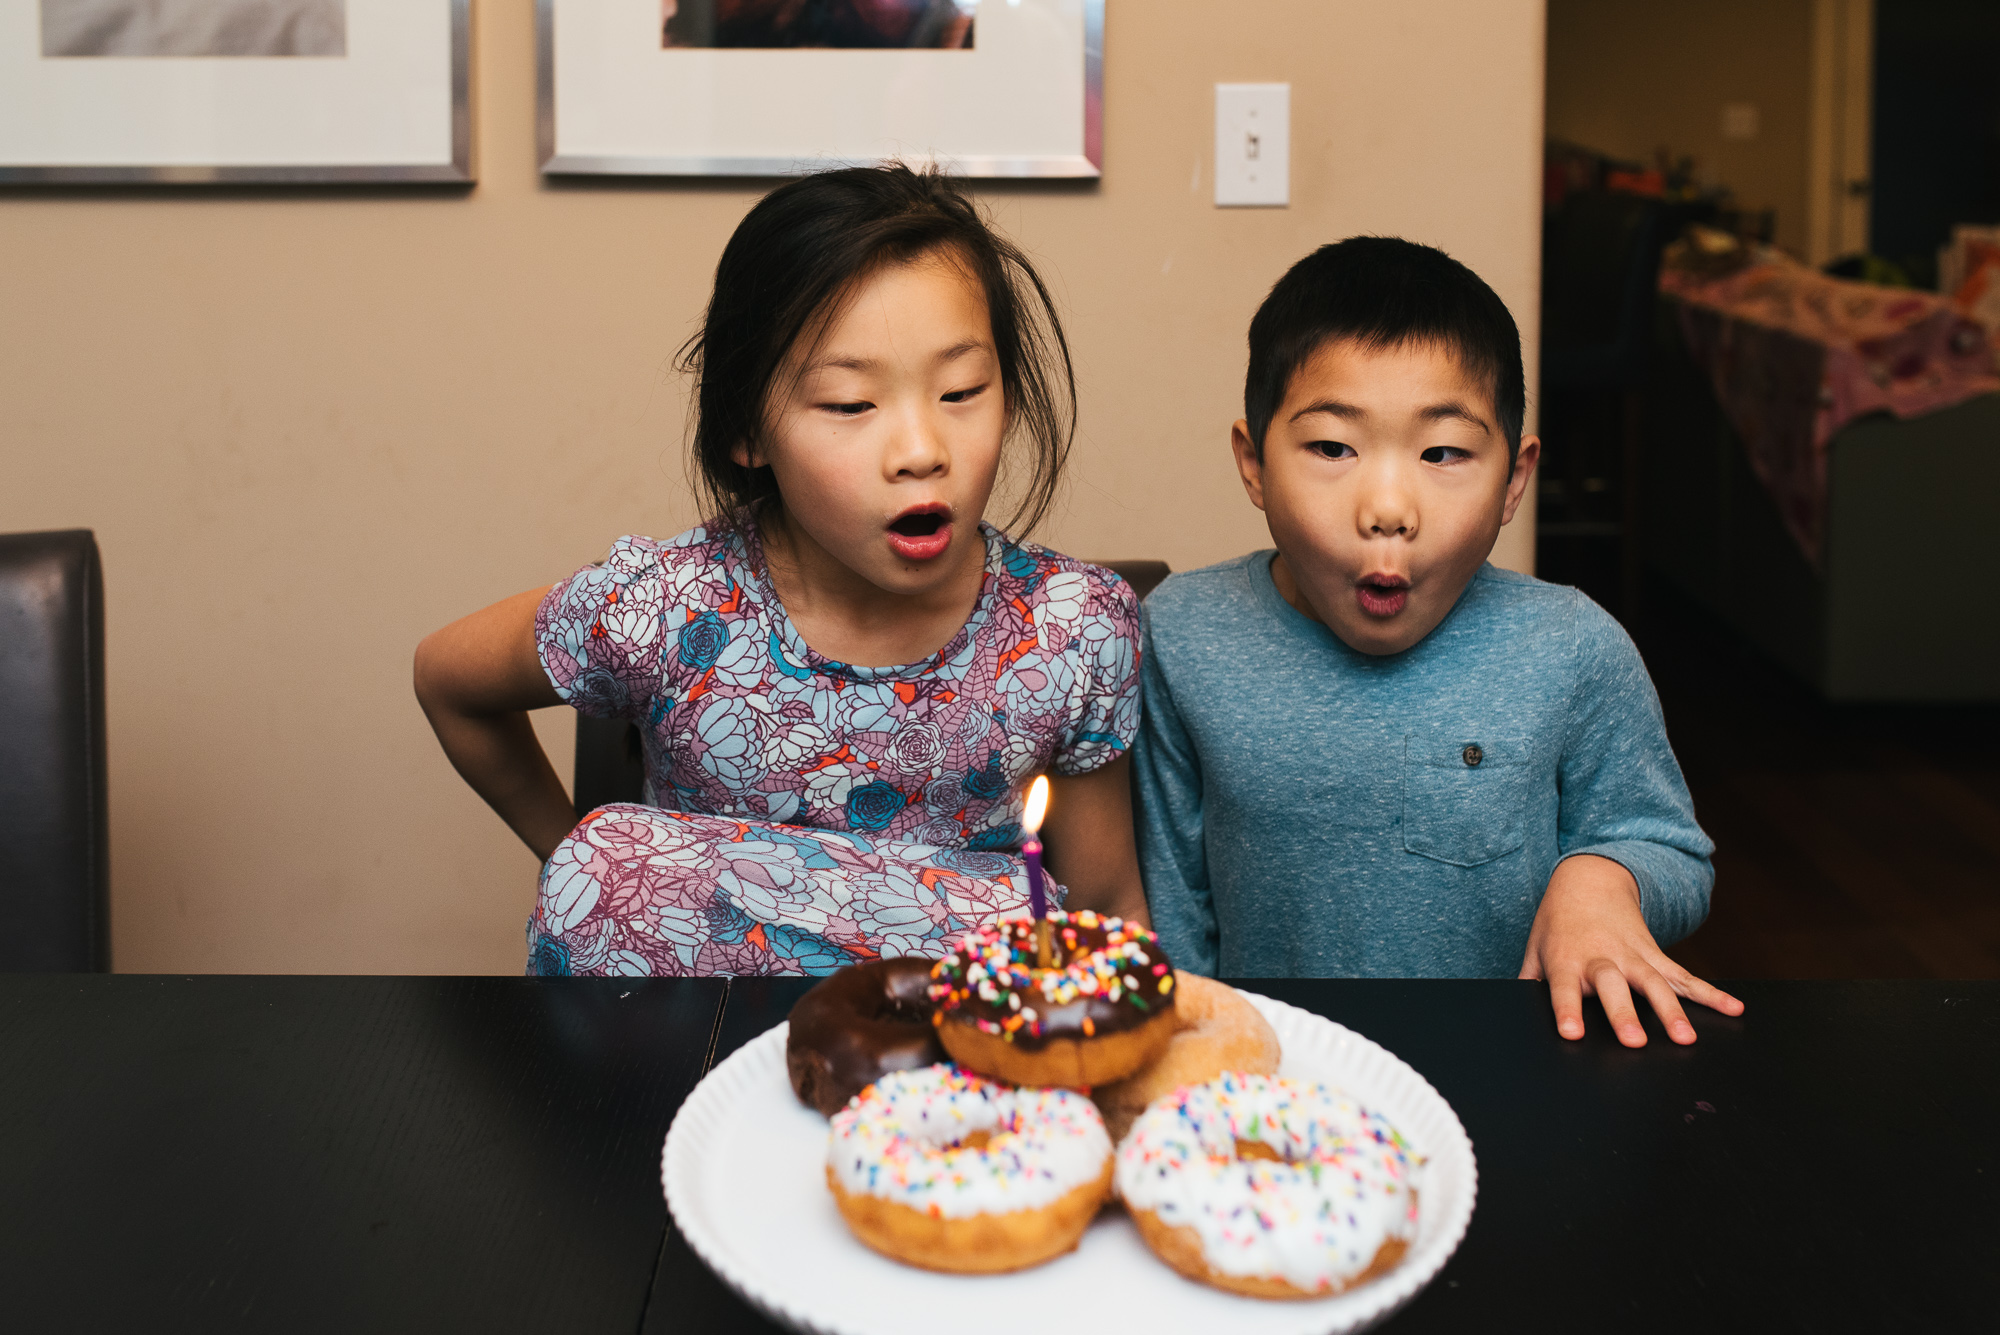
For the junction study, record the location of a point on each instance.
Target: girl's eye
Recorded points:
(847, 409)
(1445, 454)
(1333, 449)
(964, 395)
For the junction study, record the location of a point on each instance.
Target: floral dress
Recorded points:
(802, 814)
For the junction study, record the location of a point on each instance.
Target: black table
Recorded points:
(429, 1154)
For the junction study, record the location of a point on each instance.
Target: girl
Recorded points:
(844, 679)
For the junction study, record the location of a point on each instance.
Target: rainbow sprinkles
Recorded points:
(1328, 1185)
(1112, 975)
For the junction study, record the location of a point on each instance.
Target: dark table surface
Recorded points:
(383, 1154)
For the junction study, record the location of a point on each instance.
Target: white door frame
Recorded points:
(1839, 138)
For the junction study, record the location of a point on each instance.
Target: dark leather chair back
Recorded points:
(55, 836)
(610, 766)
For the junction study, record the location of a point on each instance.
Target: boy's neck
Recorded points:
(1289, 590)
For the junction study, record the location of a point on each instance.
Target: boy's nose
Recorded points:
(1388, 511)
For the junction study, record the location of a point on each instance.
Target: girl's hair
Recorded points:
(799, 252)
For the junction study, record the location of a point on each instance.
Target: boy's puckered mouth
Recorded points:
(922, 532)
(1382, 595)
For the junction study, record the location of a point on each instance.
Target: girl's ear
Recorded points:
(746, 455)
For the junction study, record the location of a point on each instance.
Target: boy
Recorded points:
(1371, 753)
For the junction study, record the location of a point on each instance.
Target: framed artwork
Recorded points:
(774, 87)
(193, 91)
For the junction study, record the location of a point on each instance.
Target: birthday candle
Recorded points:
(1031, 821)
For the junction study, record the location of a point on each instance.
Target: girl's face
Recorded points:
(885, 445)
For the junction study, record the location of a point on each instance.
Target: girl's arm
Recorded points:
(1088, 834)
(476, 680)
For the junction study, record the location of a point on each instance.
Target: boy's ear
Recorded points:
(1248, 466)
(1524, 471)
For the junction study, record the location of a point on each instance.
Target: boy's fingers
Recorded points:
(1566, 995)
(1707, 994)
(1666, 1005)
(1616, 998)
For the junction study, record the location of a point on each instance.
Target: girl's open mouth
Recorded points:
(1383, 595)
(921, 534)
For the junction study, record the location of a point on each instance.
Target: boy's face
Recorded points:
(1384, 480)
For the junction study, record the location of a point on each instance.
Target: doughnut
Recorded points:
(1268, 1187)
(1220, 1031)
(1103, 1010)
(855, 1026)
(940, 1169)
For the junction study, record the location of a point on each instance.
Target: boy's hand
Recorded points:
(1590, 939)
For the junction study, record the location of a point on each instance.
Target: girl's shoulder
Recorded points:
(704, 553)
(1061, 589)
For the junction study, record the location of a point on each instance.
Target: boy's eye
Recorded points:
(1332, 449)
(964, 395)
(1445, 454)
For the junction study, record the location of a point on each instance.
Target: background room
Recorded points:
(1737, 470)
(346, 427)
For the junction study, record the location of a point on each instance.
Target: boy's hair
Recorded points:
(1383, 292)
(792, 261)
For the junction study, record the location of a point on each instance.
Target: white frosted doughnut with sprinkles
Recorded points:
(1270, 1187)
(939, 1168)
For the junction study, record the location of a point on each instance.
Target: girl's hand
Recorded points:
(476, 680)
(1088, 835)
(1589, 939)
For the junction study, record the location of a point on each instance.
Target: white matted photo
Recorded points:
(191, 91)
(775, 87)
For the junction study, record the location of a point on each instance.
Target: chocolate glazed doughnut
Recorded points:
(857, 1025)
(1102, 1010)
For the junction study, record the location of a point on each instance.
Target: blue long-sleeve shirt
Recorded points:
(1308, 810)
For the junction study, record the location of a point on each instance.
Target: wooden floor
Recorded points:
(1851, 841)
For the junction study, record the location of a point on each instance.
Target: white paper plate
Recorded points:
(744, 1170)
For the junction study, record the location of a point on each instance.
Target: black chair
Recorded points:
(55, 836)
(610, 767)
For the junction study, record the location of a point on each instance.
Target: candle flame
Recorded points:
(1038, 804)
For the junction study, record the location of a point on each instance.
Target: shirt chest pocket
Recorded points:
(1465, 799)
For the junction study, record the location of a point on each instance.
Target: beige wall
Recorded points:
(1627, 76)
(310, 426)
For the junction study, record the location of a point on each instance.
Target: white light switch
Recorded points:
(1253, 144)
(1739, 120)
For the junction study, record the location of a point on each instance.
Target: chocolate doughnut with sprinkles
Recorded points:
(1103, 1008)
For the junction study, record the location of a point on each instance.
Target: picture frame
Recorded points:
(1020, 96)
(193, 92)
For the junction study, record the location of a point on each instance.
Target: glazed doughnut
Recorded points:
(941, 1169)
(1268, 1187)
(1220, 1031)
(857, 1025)
(1104, 1010)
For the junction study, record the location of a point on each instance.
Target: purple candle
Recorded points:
(1038, 899)
(1036, 807)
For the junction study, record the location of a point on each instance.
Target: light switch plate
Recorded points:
(1739, 120)
(1253, 145)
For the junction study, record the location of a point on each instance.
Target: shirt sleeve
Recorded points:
(1104, 646)
(1623, 796)
(1173, 855)
(599, 632)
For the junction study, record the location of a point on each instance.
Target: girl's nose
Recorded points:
(917, 450)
